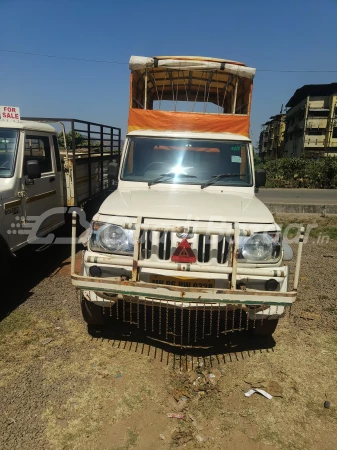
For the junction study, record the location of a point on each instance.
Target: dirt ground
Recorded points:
(61, 388)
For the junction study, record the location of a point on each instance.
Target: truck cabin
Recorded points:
(207, 101)
(37, 147)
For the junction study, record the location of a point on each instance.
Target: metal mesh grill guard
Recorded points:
(179, 312)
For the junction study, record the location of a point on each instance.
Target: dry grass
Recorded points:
(68, 394)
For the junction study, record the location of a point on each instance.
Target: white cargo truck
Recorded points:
(39, 180)
(183, 246)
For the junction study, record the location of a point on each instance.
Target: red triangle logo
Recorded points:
(184, 253)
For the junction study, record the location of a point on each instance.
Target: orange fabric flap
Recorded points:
(140, 119)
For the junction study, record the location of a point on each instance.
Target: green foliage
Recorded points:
(79, 140)
(258, 162)
(300, 172)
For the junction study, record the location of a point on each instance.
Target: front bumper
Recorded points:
(112, 287)
(181, 294)
(106, 291)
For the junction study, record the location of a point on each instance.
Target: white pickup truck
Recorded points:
(39, 181)
(183, 245)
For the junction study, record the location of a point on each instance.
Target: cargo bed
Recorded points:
(89, 149)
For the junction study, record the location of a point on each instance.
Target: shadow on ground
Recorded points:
(29, 269)
(227, 348)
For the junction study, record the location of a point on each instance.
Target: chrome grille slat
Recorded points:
(146, 244)
(203, 248)
(155, 244)
(213, 257)
(164, 244)
(209, 249)
(222, 253)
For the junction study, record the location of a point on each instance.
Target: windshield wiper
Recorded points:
(219, 177)
(168, 176)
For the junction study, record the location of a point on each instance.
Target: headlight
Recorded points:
(261, 247)
(110, 238)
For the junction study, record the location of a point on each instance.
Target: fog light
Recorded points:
(95, 271)
(271, 285)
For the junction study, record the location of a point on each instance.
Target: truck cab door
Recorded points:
(11, 203)
(42, 194)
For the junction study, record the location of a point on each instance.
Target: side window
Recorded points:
(38, 148)
(57, 154)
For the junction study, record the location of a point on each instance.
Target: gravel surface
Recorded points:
(61, 388)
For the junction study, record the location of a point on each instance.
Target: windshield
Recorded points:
(187, 161)
(8, 145)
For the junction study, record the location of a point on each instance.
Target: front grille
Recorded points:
(163, 244)
(204, 248)
(146, 240)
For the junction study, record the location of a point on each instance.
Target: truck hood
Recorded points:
(179, 204)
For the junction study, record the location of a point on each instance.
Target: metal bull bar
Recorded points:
(229, 305)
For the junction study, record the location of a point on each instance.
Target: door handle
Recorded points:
(51, 179)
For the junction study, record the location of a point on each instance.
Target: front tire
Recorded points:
(264, 329)
(93, 314)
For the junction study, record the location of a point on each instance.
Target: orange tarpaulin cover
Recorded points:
(140, 119)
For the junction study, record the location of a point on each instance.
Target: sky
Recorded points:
(265, 34)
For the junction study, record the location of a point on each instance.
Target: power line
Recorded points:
(296, 71)
(103, 61)
(62, 57)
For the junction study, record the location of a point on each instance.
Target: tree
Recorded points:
(80, 141)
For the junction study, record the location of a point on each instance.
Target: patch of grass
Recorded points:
(226, 425)
(324, 226)
(333, 340)
(16, 321)
(270, 436)
(132, 400)
(317, 409)
(66, 441)
(322, 232)
(210, 405)
(147, 391)
(131, 440)
(331, 309)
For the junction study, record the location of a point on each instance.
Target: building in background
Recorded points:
(271, 142)
(311, 122)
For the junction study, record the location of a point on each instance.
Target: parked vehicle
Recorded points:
(183, 243)
(39, 180)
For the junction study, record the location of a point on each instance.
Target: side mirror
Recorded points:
(288, 253)
(113, 169)
(260, 178)
(33, 169)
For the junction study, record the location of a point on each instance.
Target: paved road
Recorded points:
(299, 196)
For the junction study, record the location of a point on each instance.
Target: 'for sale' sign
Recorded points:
(10, 113)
